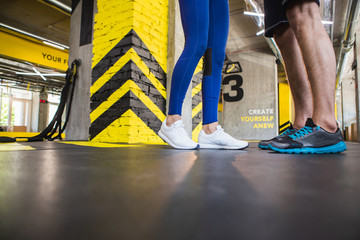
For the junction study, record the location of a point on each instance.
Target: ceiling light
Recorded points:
(39, 73)
(327, 22)
(60, 5)
(262, 15)
(254, 14)
(53, 45)
(44, 74)
(261, 32)
(32, 35)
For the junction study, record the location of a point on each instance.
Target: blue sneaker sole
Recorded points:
(264, 147)
(337, 148)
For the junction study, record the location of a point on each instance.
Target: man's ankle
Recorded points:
(298, 125)
(327, 125)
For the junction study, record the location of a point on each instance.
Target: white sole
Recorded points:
(215, 146)
(167, 140)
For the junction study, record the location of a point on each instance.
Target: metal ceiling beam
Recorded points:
(328, 15)
(348, 38)
(7, 74)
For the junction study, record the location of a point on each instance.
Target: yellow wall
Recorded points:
(114, 20)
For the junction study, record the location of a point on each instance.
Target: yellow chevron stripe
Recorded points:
(130, 55)
(196, 109)
(233, 66)
(129, 128)
(110, 101)
(199, 67)
(196, 131)
(111, 72)
(147, 101)
(128, 86)
(142, 66)
(283, 128)
(195, 90)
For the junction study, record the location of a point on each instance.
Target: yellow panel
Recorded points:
(18, 134)
(31, 51)
(100, 145)
(127, 129)
(336, 115)
(22, 134)
(284, 103)
(14, 147)
(220, 107)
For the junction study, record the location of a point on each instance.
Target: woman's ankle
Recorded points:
(210, 128)
(170, 119)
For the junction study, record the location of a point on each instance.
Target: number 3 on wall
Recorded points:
(237, 88)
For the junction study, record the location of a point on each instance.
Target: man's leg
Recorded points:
(277, 26)
(319, 59)
(323, 136)
(296, 73)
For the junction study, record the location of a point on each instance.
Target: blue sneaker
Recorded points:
(310, 139)
(264, 144)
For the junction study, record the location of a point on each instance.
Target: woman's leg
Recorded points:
(214, 61)
(195, 21)
(212, 135)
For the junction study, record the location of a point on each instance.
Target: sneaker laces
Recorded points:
(181, 130)
(224, 136)
(302, 132)
(287, 132)
(219, 129)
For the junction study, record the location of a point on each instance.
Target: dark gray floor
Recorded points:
(62, 191)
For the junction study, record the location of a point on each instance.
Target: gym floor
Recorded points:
(57, 190)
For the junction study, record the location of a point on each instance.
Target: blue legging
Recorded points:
(206, 27)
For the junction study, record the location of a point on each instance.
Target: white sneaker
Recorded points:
(176, 136)
(220, 140)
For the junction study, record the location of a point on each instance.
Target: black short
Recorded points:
(275, 14)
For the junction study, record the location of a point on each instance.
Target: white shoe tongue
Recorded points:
(218, 127)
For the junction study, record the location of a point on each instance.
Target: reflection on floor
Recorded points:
(66, 191)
